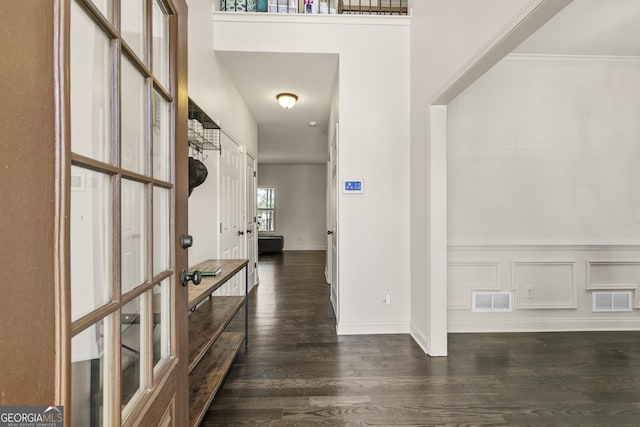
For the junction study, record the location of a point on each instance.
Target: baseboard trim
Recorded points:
(419, 336)
(546, 325)
(304, 248)
(372, 328)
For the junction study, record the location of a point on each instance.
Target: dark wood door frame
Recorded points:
(29, 211)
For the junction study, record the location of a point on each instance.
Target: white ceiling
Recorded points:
(284, 136)
(589, 27)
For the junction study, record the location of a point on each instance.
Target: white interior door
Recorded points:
(232, 231)
(251, 213)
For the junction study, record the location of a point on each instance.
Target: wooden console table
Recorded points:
(213, 343)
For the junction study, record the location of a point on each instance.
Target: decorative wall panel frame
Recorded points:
(628, 286)
(471, 287)
(520, 291)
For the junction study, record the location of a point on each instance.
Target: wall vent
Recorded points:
(611, 301)
(491, 301)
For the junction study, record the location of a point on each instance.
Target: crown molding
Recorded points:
(584, 59)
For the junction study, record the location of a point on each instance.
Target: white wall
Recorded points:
(374, 146)
(210, 85)
(445, 37)
(203, 214)
(535, 141)
(543, 200)
(213, 90)
(300, 203)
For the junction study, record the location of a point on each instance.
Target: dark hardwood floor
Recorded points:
(298, 372)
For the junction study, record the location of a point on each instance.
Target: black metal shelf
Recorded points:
(204, 133)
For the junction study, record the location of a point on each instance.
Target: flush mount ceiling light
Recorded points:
(287, 100)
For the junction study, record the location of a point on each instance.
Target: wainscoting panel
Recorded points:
(612, 275)
(552, 285)
(464, 277)
(544, 284)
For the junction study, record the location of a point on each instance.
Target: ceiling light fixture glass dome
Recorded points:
(287, 100)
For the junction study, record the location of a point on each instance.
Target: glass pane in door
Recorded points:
(132, 118)
(160, 42)
(132, 23)
(134, 234)
(161, 229)
(88, 375)
(160, 138)
(161, 321)
(105, 6)
(91, 239)
(91, 79)
(121, 210)
(131, 327)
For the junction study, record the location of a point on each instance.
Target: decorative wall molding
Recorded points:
(531, 295)
(629, 284)
(575, 59)
(471, 287)
(619, 244)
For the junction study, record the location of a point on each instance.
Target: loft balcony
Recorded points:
(342, 7)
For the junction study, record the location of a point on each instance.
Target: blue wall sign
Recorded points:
(352, 186)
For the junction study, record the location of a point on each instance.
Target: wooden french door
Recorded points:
(126, 111)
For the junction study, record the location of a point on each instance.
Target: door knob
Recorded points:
(240, 233)
(249, 231)
(329, 232)
(195, 277)
(186, 241)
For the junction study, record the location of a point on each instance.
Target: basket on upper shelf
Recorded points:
(204, 133)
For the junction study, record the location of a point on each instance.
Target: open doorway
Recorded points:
(542, 216)
(291, 193)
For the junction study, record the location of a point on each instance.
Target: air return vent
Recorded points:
(491, 301)
(611, 301)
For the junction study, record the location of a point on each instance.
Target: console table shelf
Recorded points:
(214, 340)
(229, 267)
(207, 323)
(206, 378)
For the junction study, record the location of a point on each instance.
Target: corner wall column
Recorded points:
(437, 231)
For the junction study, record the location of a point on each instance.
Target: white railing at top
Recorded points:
(374, 7)
(351, 7)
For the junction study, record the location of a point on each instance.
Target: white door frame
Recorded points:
(251, 236)
(331, 272)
